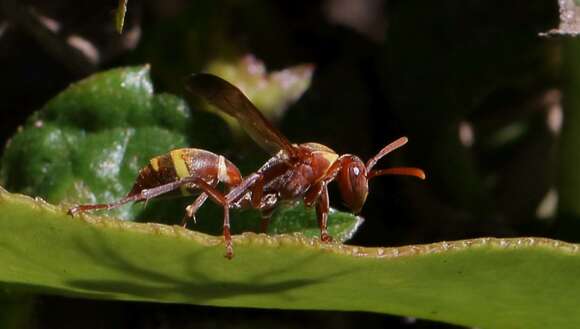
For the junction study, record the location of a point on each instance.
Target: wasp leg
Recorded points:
(88, 207)
(144, 194)
(266, 211)
(212, 192)
(322, 208)
(313, 194)
(253, 183)
(257, 191)
(192, 209)
(220, 199)
(318, 193)
(237, 192)
(209, 190)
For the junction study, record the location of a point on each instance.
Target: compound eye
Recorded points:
(356, 174)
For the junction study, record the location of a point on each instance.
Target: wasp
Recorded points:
(295, 171)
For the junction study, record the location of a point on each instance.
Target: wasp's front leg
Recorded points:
(322, 209)
(318, 193)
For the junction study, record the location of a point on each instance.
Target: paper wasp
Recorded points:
(296, 171)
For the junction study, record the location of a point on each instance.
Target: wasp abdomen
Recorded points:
(186, 162)
(159, 171)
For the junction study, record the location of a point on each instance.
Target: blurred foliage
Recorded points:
(273, 92)
(89, 142)
(99, 257)
(569, 20)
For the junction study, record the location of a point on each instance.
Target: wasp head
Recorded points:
(353, 182)
(353, 177)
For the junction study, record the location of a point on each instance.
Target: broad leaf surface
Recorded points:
(487, 283)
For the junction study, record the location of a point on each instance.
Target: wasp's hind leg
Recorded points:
(142, 195)
(90, 207)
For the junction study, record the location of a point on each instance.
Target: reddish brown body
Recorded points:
(186, 162)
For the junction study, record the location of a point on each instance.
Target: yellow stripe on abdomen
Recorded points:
(180, 167)
(154, 163)
(179, 163)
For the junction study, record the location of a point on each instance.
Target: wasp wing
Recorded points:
(229, 99)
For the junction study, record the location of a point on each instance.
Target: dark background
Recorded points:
(470, 83)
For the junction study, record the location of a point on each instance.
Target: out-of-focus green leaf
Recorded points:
(271, 92)
(485, 283)
(88, 143)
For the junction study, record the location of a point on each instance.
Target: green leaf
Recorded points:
(298, 219)
(487, 283)
(88, 143)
